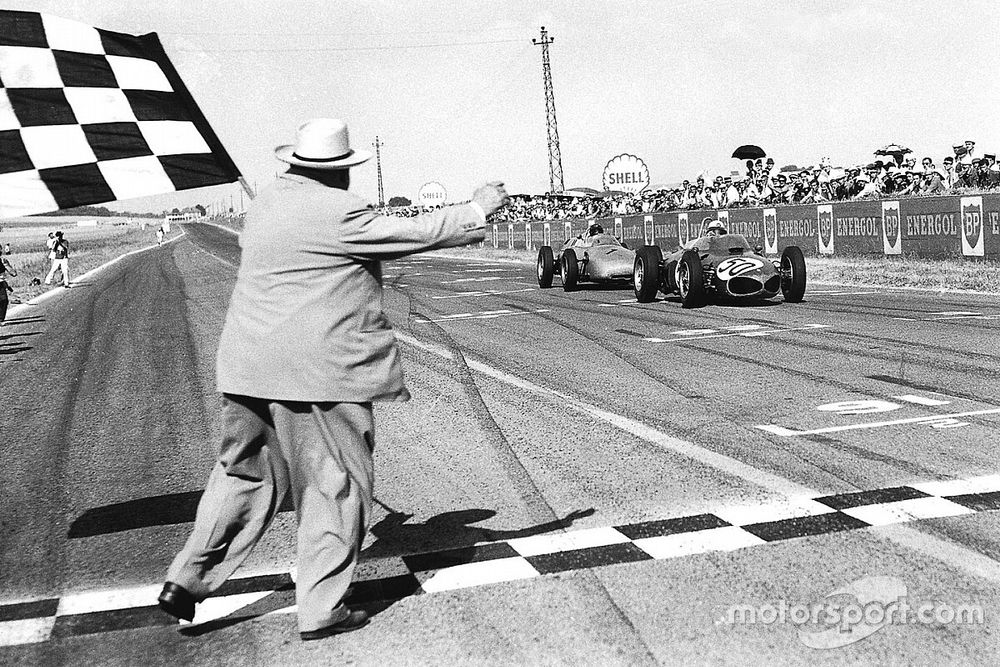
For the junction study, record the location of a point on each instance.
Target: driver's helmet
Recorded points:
(715, 228)
(594, 230)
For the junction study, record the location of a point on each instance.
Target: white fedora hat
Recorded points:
(322, 143)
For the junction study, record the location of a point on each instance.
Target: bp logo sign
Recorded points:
(824, 224)
(972, 226)
(627, 173)
(683, 231)
(892, 242)
(770, 231)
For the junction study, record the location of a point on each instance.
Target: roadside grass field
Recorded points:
(90, 246)
(933, 274)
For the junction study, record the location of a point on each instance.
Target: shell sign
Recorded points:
(626, 173)
(432, 194)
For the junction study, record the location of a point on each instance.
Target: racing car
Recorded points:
(596, 257)
(721, 265)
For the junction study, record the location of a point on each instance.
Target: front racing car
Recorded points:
(724, 267)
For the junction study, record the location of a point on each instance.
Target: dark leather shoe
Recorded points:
(355, 620)
(177, 601)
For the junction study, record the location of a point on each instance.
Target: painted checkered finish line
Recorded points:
(521, 558)
(90, 116)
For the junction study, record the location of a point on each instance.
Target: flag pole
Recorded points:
(246, 187)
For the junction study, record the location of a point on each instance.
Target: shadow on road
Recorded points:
(165, 510)
(444, 540)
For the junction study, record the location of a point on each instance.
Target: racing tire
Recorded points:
(793, 274)
(646, 273)
(669, 277)
(546, 266)
(570, 270)
(691, 280)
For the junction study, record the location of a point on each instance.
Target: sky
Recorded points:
(454, 89)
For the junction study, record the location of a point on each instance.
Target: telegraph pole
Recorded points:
(555, 158)
(378, 161)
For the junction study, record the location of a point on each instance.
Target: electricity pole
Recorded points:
(378, 161)
(555, 158)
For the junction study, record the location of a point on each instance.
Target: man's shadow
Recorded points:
(445, 540)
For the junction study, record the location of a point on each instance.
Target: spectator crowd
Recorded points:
(763, 184)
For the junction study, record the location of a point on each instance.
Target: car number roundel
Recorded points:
(737, 266)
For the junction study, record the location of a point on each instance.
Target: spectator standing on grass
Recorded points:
(49, 242)
(6, 249)
(60, 260)
(159, 236)
(305, 349)
(6, 269)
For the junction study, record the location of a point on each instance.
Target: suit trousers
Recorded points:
(319, 452)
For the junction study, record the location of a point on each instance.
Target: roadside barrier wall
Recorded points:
(927, 227)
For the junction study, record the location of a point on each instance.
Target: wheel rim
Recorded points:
(538, 268)
(683, 279)
(787, 272)
(638, 276)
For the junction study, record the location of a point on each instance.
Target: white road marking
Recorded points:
(125, 598)
(807, 327)
(475, 574)
(956, 312)
(906, 510)
(694, 332)
(477, 293)
(727, 538)
(26, 631)
(920, 400)
(213, 609)
(958, 487)
(577, 539)
(485, 315)
(483, 279)
(744, 327)
(785, 432)
(744, 515)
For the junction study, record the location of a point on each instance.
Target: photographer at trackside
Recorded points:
(305, 350)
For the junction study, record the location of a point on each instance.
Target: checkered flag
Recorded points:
(90, 116)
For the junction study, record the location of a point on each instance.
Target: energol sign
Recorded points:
(627, 173)
(432, 194)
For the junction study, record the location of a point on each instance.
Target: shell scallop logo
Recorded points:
(626, 173)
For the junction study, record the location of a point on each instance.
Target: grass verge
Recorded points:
(86, 254)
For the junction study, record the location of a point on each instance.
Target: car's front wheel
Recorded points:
(570, 270)
(690, 279)
(545, 266)
(646, 273)
(793, 274)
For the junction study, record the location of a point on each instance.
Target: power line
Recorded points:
(350, 48)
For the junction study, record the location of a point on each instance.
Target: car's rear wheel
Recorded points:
(691, 280)
(570, 270)
(646, 273)
(546, 266)
(793, 274)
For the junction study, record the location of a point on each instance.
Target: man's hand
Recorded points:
(492, 197)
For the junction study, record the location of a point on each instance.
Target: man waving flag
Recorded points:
(89, 116)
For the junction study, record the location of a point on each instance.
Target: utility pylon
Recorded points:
(555, 157)
(378, 162)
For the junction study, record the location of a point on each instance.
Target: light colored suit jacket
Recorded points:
(305, 321)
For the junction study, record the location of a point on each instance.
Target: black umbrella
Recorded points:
(749, 152)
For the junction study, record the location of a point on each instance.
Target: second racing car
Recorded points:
(596, 257)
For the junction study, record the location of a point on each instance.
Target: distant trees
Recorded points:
(399, 201)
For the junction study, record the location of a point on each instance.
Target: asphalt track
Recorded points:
(579, 478)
